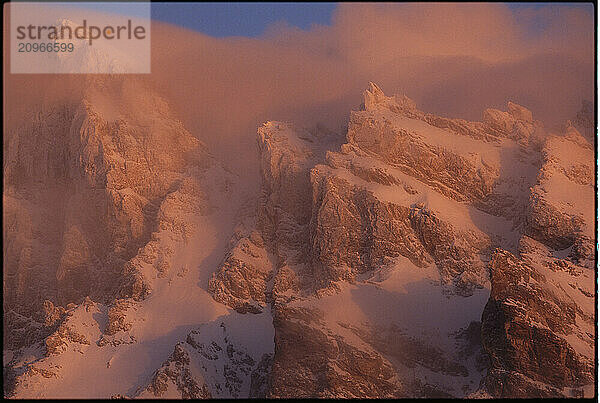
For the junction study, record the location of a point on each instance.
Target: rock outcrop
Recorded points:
(560, 211)
(538, 326)
(213, 362)
(412, 255)
(100, 194)
(412, 190)
(85, 190)
(539, 336)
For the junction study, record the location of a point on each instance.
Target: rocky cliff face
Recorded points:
(102, 197)
(413, 205)
(538, 326)
(539, 335)
(214, 362)
(84, 192)
(412, 256)
(560, 211)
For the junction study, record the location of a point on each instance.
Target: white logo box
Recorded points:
(79, 37)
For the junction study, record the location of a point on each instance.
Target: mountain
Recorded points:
(411, 256)
(103, 203)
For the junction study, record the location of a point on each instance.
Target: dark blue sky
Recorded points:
(241, 19)
(251, 19)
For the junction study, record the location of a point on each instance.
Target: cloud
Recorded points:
(452, 59)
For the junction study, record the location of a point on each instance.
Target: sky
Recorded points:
(242, 65)
(252, 19)
(242, 19)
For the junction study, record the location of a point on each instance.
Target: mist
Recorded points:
(453, 59)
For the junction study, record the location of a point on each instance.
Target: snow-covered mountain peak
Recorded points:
(423, 257)
(374, 98)
(520, 112)
(575, 135)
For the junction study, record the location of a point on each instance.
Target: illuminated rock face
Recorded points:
(539, 336)
(412, 256)
(83, 195)
(409, 188)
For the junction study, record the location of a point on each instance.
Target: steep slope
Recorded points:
(382, 255)
(114, 217)
(413, 256)
(538, 326)
(84, 191)
(561, 208)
